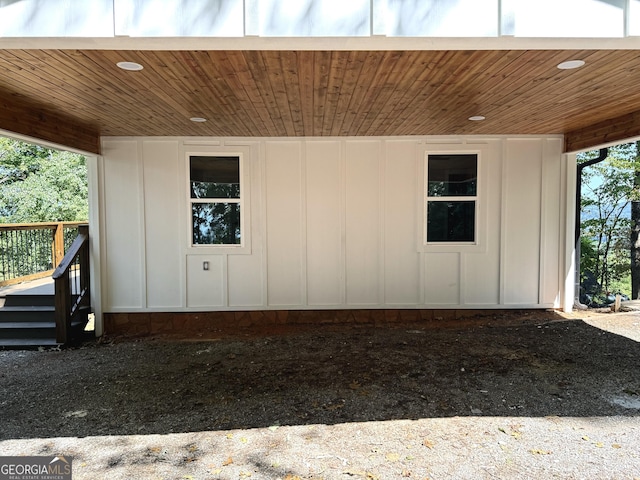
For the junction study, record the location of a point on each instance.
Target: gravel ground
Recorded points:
(514, 397)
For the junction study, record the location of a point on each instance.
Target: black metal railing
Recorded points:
(33, 250)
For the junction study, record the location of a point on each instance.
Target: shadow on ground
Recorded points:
(345, 374)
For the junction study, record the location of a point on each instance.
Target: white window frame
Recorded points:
(244, 247)
(480, 227)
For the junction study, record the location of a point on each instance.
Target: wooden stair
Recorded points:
(28, 320)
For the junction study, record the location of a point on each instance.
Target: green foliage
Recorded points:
(41, 185)
(607, 191)
(18, 160)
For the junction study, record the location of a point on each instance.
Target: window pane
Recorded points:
(451, 221)
(452, 175)
(214, 177)
(216, 223)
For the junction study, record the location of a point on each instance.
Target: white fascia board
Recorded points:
(323, 43)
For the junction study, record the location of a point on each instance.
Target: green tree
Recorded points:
(608, 189)
(635, 227)
(18, 160)
(41, 185)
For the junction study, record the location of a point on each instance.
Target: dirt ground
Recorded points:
(520, 396)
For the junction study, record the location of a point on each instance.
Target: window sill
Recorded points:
(452, 247)
(219, 250)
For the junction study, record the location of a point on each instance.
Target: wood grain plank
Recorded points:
(234, 68)
(368, 63)
(284, 97)
(321, 67)
(264, 92)
(27, 119)
(617, 129)
(306, 89)
(289, 62)
(320, 93)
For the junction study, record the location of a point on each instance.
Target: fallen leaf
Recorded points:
(193, 448)
(155, 449)
(406, 473)
(245, 474)
(355, 385)
(599, 445)
(292, 477)
(615, 445)
(392, 457)
(355, 473)
(585, 438)
(244, 440)
(540, 452)
(229, 435)
(428, 443)
(227, 462)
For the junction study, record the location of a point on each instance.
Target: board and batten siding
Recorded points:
(333, 223)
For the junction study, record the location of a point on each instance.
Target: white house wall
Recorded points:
(334, 223)
(123, 221)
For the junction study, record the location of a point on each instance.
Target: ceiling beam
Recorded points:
(21, 117)
(616, 130)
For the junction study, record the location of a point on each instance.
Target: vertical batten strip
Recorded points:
(343, 222)
(262, 166)
(382, 198)
(503, 222)
(225, 280)
(142, 224)
(420, 156)
(304, 285)
(544, 191)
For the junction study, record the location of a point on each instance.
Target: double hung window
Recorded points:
(451, 198)
(215, 199)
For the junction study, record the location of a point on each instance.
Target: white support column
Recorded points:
(569, 267)
(95, 194)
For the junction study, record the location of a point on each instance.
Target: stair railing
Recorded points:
(29, 251)
(72, 288)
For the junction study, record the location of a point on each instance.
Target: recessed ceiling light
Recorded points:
(570, 64)
(477, 118)
(198, 119)
(131, 66)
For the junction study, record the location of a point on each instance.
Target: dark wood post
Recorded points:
(62, 308)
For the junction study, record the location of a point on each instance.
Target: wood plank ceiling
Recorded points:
(72, 97)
